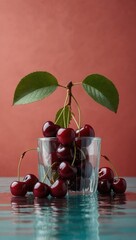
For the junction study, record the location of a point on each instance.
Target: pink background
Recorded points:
(70, 39)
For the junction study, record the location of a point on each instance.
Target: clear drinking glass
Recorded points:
(87, 157)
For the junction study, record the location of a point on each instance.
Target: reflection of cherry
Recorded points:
(119, 185)
(18, 188)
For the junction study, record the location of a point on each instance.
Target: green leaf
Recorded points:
(102, 90)
(63, 117)
(34, 87)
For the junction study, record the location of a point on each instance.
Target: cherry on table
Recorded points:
(18, 188)
(119, 185)
(30, 180)
(41, 190)
(104, 186)
(106, 173)
(58, 188)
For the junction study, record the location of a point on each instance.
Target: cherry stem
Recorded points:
(65, 104)
(74, 155)
(69, 87)
(78, 83)
(49, 168)
(63, 109)
(113, 167)
(75, 121)
(20, 161)
(79, 112)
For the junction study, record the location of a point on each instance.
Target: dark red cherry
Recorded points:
(50, 129)
(66, 136)
(104, 186)
(41, 190)
(106, 173)
(30, 180)
(86, 131)
(18, 188)
(58, 189)
(55, 161)
(66, 171)
(119, 185)
(65, 153)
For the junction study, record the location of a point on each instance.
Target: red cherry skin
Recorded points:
(18, 188)
(30, 180)
(106, 173)
(50, 129)
(65, 153)
(58, 188)
(55, 161)
(66, 136)
(66, 171)
(119, 185)
(104, 186)
(41, 190)
(86, 131)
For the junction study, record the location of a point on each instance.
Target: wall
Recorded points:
(71, 39)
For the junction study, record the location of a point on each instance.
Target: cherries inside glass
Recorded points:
(67, 166)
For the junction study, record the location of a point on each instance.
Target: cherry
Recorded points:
(18, 188)
(86, 131)
(106, 173)
(55, 161)
(119, 185)
(104, 186)
(65, 153)
(50, 129)
(58, 188)
(41, 190)
(66, 171)
(30, 180)
(66, 136)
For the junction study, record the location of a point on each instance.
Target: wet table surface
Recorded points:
(73, 217)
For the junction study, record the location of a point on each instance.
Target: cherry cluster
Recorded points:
(70, 167)
(107, 182)
(68, 161)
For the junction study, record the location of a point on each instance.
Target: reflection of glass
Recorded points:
(87, 162)
(74, 217)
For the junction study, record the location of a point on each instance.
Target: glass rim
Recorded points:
(53, 138)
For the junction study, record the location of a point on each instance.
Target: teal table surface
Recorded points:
(73, 217)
